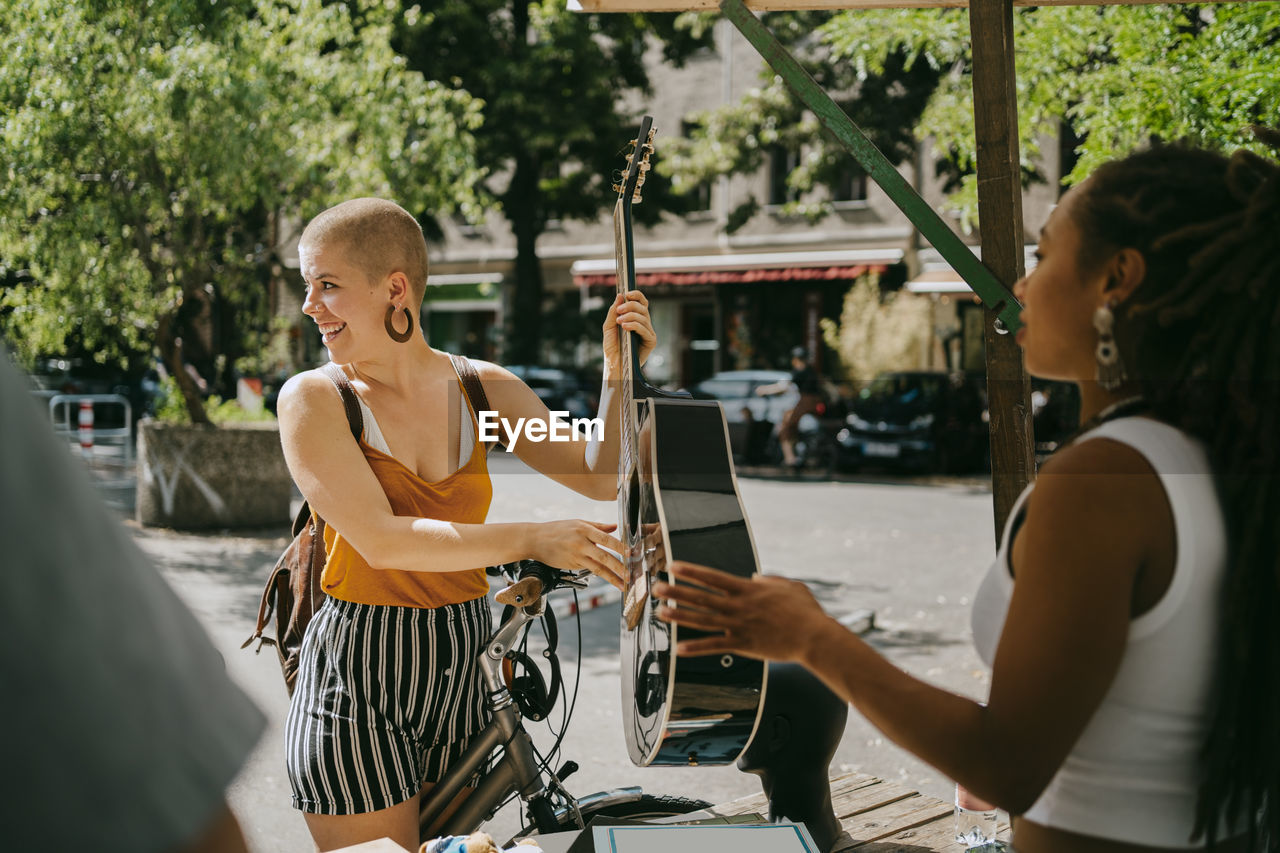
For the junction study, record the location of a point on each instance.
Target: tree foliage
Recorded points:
(1117, 75)
(553, 84)
(154, 152)
(886, 102)
(875, 334)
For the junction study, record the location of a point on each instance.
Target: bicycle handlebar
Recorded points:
(522, 592)
(536, 580)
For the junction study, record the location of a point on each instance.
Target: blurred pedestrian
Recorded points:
(804, 379)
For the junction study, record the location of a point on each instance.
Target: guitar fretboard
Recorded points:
(624, 267)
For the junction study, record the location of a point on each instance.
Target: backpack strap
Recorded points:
(470, 381)
(355, 420)
(300, 550)
(349, 402)
(472, 385)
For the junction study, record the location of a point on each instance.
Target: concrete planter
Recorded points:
(201, 477)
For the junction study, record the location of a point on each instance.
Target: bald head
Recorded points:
(378, 236)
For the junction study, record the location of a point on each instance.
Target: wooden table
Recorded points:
(877, 816)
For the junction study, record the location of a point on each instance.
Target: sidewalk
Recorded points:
(911, 554)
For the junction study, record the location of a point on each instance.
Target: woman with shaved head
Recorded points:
(388, 691)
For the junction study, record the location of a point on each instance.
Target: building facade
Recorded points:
(719, 301)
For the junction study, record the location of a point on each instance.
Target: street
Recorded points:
(913, 552)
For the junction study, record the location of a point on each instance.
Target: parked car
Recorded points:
(917, 420)
(560, 390)
(751, 418)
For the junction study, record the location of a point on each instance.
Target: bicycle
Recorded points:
(815, 446)
(519, 771)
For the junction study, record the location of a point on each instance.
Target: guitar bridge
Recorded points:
(634, 601)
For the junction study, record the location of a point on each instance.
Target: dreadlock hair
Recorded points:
(1201, 334)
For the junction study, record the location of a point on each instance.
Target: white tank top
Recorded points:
(1132, 775)
(466, 440)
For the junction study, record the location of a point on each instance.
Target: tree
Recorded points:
(876, 334)
(156, 153)
(552, 83)
(738, 138)
(1117, 76)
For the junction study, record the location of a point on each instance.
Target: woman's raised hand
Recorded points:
(577, 544)
(629, 312)
(764, 617)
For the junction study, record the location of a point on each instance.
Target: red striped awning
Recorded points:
(732, 276)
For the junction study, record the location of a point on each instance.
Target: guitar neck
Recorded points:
(625, 277)
(624, 251)
(624, 255)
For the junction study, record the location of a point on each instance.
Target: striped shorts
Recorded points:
(386, 698)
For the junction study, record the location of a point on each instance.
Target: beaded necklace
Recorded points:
(1123, 408)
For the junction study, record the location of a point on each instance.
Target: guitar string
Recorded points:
(622, 252)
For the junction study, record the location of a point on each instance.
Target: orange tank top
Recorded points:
(463, 497)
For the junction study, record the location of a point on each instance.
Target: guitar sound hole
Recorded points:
(633, 505)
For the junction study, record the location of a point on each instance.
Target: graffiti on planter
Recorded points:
(167, 472)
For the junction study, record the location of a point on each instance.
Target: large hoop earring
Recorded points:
(1110, 369)
(389, 322)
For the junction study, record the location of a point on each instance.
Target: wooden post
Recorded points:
(995, 110)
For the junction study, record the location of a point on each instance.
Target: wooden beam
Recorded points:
(995, 110)
(795, 5)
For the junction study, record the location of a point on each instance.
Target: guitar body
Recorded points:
(677, 500)
(680, 502)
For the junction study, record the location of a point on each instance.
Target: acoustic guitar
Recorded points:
(677, 500)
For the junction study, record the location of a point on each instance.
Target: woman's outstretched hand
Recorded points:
(764, 617)
(577, 544)
(630, 312)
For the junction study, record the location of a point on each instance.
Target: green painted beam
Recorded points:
(989, 289)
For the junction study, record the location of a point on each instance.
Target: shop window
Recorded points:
(851, 185)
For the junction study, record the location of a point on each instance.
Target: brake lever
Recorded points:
(576, 579)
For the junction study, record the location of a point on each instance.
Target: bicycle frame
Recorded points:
(516, 772)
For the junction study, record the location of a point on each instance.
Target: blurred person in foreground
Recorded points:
(1131, 617)
(122, 728)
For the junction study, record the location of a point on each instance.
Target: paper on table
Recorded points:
(766, 838)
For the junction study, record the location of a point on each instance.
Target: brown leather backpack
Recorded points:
(293, 594)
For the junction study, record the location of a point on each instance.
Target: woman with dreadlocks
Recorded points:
(1132, 615)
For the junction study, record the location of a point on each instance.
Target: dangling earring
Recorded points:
(1110, 368)
(388, 321)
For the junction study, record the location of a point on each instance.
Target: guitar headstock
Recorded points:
(628, 189)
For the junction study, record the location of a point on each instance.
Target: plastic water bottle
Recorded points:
(976, 823)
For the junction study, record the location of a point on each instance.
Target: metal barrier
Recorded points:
(117, 442)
